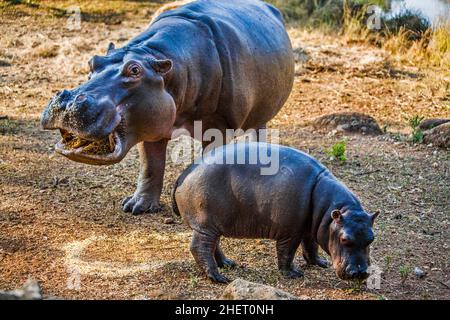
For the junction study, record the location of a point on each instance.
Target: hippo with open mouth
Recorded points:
(301, 203)
(228, 64)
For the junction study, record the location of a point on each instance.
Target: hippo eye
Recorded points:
(133, 70)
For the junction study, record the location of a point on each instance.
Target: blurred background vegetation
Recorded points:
(417, 29)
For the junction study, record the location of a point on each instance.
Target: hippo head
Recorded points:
(123, 102)
(350, 236)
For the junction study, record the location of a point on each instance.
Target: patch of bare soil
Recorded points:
(61, 222)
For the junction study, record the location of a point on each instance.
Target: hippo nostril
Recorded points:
(80, 99)
(81, 103)
(63, 95)
(351, 273)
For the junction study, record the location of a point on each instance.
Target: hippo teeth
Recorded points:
(103, 146)
(112, 142)
(66, 135)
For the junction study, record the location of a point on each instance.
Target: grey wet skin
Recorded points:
(302, 204)
(228, 64)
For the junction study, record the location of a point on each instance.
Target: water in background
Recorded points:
(433, 10)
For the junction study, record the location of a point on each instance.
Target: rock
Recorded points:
(438, 136)
(428, 124)
(419, 272)
(30, 291)
(244, 290)
(352, 122)
(168, 221)
(300, 55)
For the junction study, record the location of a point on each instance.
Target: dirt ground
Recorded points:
(61, 222)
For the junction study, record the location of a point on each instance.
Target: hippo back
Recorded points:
(228, 181)
(233, 153)
(239, 48)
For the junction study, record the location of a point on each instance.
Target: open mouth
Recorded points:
(70, 141)
(108, 150)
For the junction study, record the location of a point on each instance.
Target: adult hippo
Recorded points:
(227, 63)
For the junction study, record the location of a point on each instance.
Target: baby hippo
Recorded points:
(228, 193)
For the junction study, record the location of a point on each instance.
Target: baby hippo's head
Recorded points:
(351, 234)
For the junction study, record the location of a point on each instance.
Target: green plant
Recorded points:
(404, 273)
(356, 286)
(388, 261)
(337, 151)
(417, 134)
(193, 280)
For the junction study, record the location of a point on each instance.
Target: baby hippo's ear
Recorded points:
(336, 215)
(162, 66)
(111, 47)
(374, 215)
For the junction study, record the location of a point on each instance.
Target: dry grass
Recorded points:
(47, 51)
(51, 207)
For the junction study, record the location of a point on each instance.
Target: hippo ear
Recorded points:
(111, 47)
(374, 215)
(336, 215)
(162, 66)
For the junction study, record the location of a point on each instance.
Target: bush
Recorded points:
(411, 22)
(351, 17)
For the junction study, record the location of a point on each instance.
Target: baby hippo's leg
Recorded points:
(222, 261)
(310, 252)
(203, 248)
(286, 252)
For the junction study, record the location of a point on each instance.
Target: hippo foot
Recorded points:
(227, 263)
(323, 263)
(320, 262)
(217, 277)
(293, 273)
(139, 204)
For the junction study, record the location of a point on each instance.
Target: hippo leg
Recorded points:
(310, 253)
(203, 247)
(222, 261)
(286, 252)
(152, 157)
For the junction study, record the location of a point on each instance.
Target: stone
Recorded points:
(428, 124)
(439, 136)
(351, 122)
(168, 221)
(30, 291)
(419, 273)
(241, 289)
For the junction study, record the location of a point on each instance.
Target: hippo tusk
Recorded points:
(112, 142)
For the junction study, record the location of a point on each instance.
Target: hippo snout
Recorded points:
(82, 113)
(356, 273)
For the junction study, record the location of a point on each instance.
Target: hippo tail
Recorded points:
(179, 182)
(174, 200)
